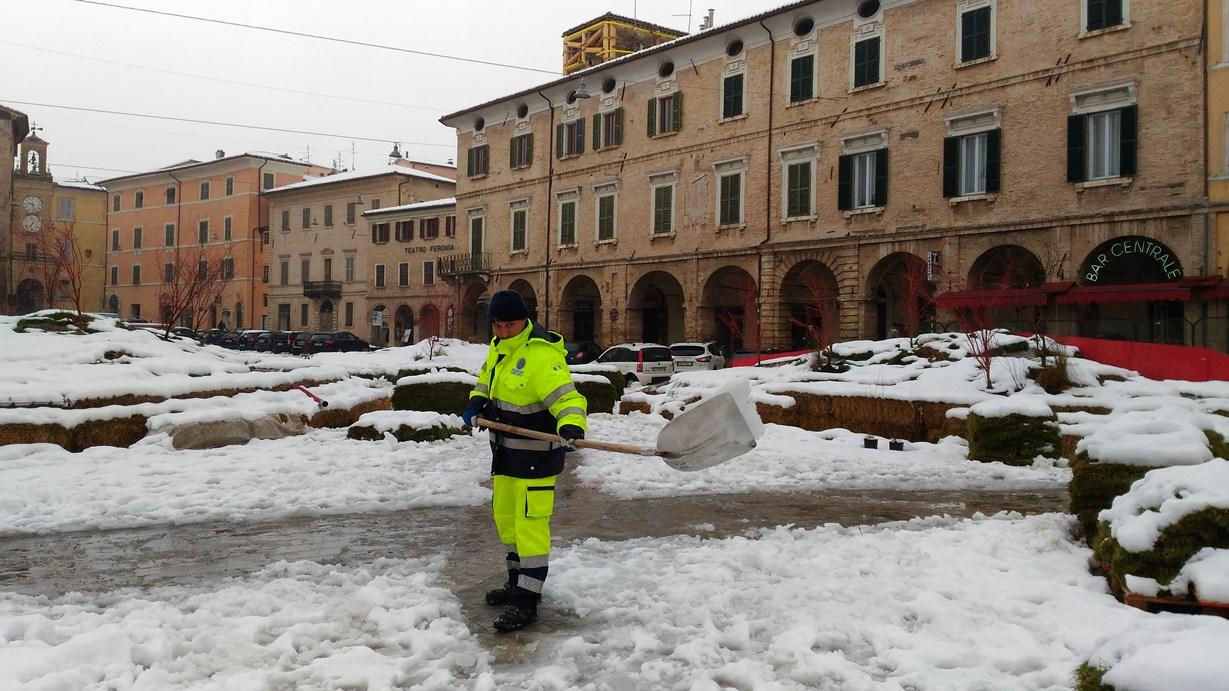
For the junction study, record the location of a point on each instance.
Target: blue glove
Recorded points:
(476, 404)
(570, 433)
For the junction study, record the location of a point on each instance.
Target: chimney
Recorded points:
(707, 23)
(219, 154)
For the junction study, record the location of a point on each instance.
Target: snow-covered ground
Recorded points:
(991, 602)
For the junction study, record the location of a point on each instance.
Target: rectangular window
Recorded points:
(205, 190)
(732, 102)
(798, 190)
(375, 204)
(478, 161)
(567, 223)
(864, 180)
(379, 276)
(663, 209)
(283, 273)
(303, 315)
(66, 209)
(170, 195)
(349, 268)
(802, 78)
(328, 215)
(866, 62)
(136, 238)
(31, 251)
(306, 221)
(973, 163)
(379, 233)
(403, 274)
(285, 220)
(976, 32)
(115, 241)
(428, 273)
(606, 217)
(168, 235)
(730, 200)
(608, 129)
(351, 211)
(283, 317)
(134, 310)
(570, 139)
(665, 114)
(202, 231)
(202, 270)
(1104, 150)
(228, 269)
(267, 181)
(328, 268)
(227, 225)
(264, 275)
(1102, 14)
(114, 275)
(349, 312)
(138, 201)
(520, 219)
(115, 202)
(520, 154)
(403, 231)
(305, 268)
(136, 274)
(430, 228)
(450, 226)
(230, 187)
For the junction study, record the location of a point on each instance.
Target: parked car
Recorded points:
(282, 341)
(581, 352)
(689, 357)
(264, 342)
(246, 340)
(184, 332)
(336, 342)
(299, 345)
(640, 361)
(226, 339)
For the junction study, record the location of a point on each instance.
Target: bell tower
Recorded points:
(32, 152)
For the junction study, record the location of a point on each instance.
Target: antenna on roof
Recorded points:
(690, 3)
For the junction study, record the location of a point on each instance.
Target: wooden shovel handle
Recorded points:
(579, 443)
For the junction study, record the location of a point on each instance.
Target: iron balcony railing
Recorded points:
(463, 264)
(321, 289)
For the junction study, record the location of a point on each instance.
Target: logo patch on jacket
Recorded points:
(519, 370)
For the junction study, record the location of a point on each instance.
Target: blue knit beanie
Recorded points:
(507, 306)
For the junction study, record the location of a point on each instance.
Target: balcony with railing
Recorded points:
(463, 264)
(322, 289)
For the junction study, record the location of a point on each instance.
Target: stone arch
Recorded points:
(1130, 259)
(655, 309)
(30, 297)
(808, 305)
(403, 320)
(580, 310)
(327, 321)
(528, 294)
(474, 324)
(900, 296)
(729, 309)
(428, 321)
(113, 304)
(1006, 266)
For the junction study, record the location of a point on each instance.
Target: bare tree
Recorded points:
(59, 265)
(192, 280)
(818, 319)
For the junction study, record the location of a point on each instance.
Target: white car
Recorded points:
(689, 357)
(640, 362)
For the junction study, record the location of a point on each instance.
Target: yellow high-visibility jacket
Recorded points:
(528, 384)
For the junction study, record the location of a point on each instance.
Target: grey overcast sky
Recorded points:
(94, 55)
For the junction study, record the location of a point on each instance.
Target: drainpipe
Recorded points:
(178, 230)
(550, 203)
(759, 268)
(259, 242)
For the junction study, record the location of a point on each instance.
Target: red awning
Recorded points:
(1130, 292)
(989, 299)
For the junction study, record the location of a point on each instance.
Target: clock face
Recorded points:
(33, 224)
(32, 204)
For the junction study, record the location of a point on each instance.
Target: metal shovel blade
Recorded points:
(712, 432)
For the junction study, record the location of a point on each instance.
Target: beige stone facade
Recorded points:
(215, 209)
(320, 269)
(13, 128)
(863, 165)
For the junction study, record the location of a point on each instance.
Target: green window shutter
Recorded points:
(513, 145)
(652, 120)
(486, 159)
(951, 167)
(881, 177)
(994, 158)
(597, 132)
(844, 187)
(678, 111)
(1076, 147)
(580, 136)
(529, 148)
(559, 142)
(732, 100)
(618, 127)
(1127, 155)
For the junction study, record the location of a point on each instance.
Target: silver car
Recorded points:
(689, 357)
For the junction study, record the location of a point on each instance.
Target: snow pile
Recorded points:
(392, 420)
(1028, 405)
(438, 377)
(1166, 436)
(1162, 498)
(1165, 652)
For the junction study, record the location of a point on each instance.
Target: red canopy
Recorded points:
(1130, 292)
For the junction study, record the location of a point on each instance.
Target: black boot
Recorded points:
(522, 612)
(502, 597)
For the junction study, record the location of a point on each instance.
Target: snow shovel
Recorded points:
(713, 431)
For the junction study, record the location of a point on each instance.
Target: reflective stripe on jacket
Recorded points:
(527, 381)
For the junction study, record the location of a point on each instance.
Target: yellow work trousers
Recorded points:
(522, 509)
